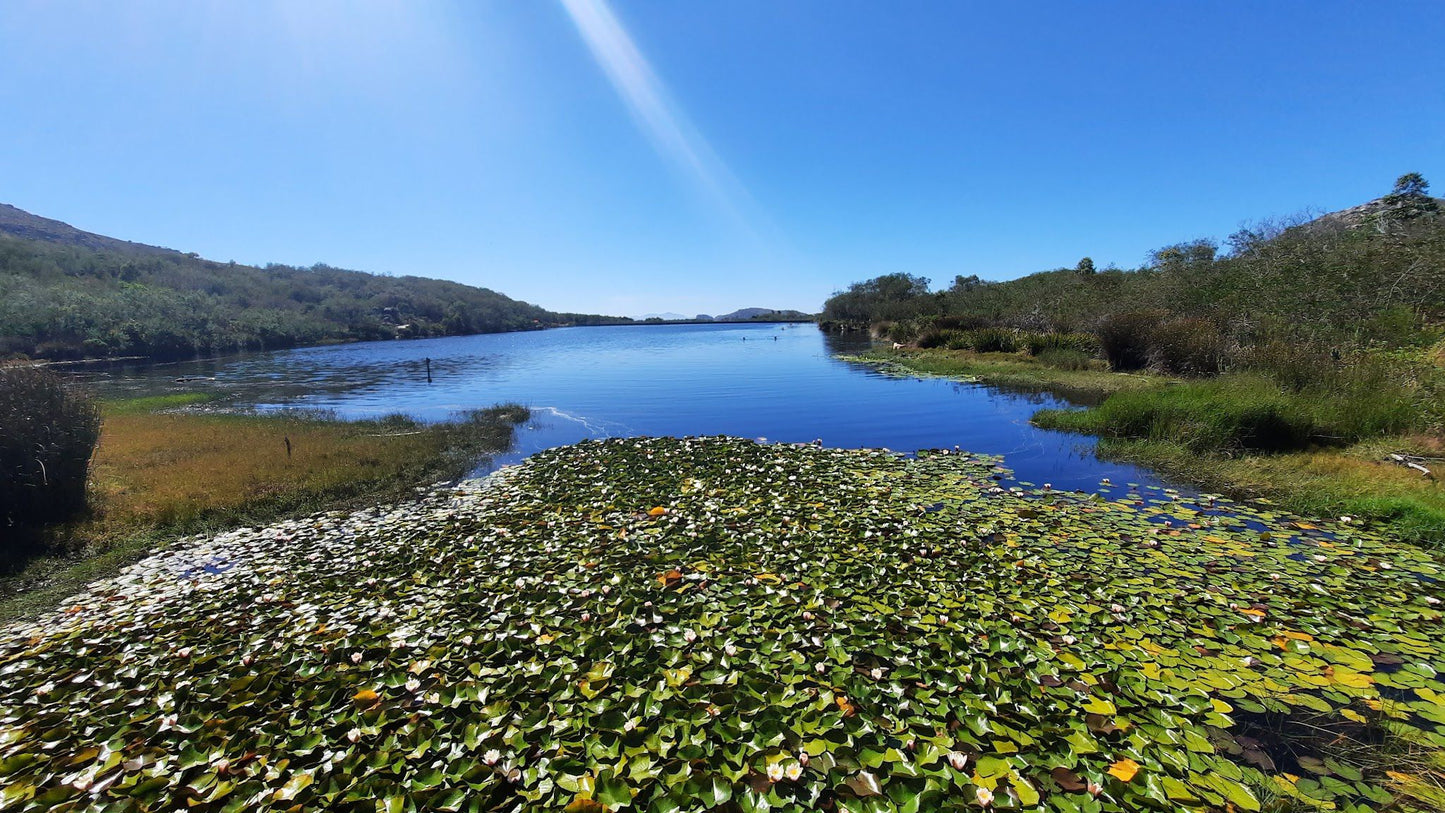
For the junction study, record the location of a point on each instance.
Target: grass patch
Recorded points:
(156, 403)
(1069, 375)
(160, 475)
(1243, 412)
(1316, 446)
(1354, 481)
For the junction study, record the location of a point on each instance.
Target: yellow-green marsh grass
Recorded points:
(161, 475)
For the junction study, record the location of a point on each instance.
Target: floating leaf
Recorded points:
(1124, 770)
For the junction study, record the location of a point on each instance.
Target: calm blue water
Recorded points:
(755, 381)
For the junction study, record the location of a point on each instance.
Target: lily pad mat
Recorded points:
(664, 624)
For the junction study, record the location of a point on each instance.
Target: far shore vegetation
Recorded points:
(1303, 363)
(163, 469)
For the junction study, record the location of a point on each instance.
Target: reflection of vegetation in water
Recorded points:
(678, 624)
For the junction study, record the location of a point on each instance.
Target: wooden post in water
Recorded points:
(428, 369)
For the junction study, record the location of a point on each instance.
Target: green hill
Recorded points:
(1367, 276)
(68, 293)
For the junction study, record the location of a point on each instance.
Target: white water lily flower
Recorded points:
(876, 673)
(354, 735)
(793, 771)
(689, 636)
(413, 684)
(356, 657)
(775, 772)
(957, 759)
(729, 649)
(492, 756)
(984, 795)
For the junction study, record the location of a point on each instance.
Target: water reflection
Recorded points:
(770, 381)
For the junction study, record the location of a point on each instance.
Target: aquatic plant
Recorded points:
(690, 624)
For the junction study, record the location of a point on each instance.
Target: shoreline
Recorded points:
(1353, 480)
(164, 470)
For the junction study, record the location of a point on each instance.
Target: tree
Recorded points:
(1411, 184)
(962, 284)
(1085, 266)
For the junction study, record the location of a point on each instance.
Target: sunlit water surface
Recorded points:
(776, 382)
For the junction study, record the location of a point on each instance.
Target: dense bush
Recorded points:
(1065, 359)
(1039, 343)
(47, 434)
(995, 340)
(1186, 346)
(935, 337)
(1222, 414)
(1125, 338)
(1251, 412)
(1296, 367)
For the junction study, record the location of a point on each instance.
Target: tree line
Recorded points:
(62, 301)
(1374, 275)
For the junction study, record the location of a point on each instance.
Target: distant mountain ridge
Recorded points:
(69, 293)
(741, 315)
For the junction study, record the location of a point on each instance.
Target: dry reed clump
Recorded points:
(47, 433)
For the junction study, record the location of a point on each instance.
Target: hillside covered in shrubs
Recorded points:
(1373, 276)
(1320, 338)
(66, 293)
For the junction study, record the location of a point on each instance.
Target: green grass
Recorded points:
(1355, 481)
(155, 403)
(1082, 381)
(1318, 449)
(158, 476)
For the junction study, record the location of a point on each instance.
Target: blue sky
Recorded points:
(632, 156)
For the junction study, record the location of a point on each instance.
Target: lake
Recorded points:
(779, 382)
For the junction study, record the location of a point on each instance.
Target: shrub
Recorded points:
(47, 434)
(1241, 412)
(1186, 346)
(1295, 366)
(1065, 359)
(963, 322)
(1124, 337)
(935, 337)
(903, 332)
(994, 340)
(1039, 343)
